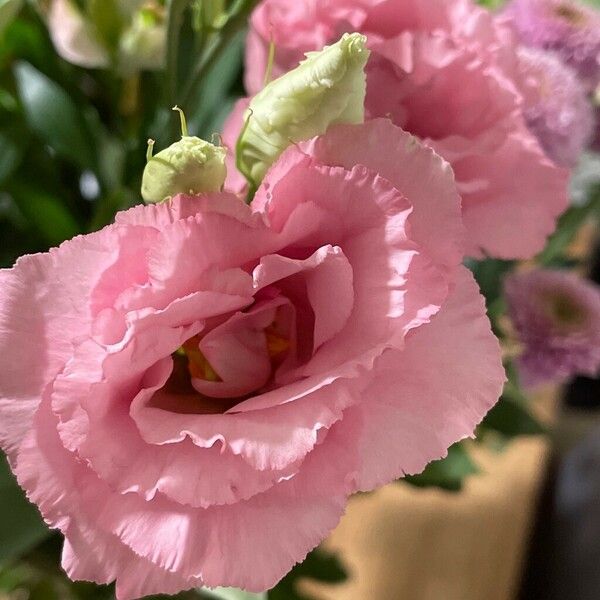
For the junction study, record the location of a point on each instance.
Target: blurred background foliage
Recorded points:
(72, 151)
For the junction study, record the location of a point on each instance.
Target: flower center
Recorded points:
(564, 310)
(200, 368)
(569, 13)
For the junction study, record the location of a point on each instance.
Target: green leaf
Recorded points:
(447, 473)
(568, 226)
(510, 417)
(176, 10)
(54, 116)
(10, 156)
(213, 92)
(21, 527)
(318, 565)
(111, 151)
(232, 594)
(111, 203)
(236, 21)
(489, 274)
(45, 213)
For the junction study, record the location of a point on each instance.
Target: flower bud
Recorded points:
(189, 166)
(143, 44)
(328, 87)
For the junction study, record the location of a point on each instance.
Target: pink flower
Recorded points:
(557, 318)
(74, 36)
(191, 394)
(557, 109)
(570, 28)
(448, 72)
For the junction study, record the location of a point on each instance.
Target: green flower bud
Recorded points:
(189, 166)
(143, 44)
(328, 87)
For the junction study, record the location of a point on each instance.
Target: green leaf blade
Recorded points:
(21, 527)
(54, 116)
(447, 473)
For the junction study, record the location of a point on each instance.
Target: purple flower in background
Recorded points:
(557, 318)
(570, 28)
(557, 109)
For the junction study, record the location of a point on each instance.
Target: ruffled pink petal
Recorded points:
(92, 555)
(431, 394)
(188, 252)
(388, 20)
(109, 441)
(510, 216)
(419, 174)
(234, 545)
(181, 207)
(102, 431)
(130, 268)
(44, 309)
(396, 286)
(271, 431)
(328, 277)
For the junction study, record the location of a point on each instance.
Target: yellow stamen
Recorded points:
(276, 344)
(198, 366)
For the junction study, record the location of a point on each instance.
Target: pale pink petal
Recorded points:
(511, 216)
(73, 37)
(44, 309)
(181, 207)
(271, 432)
(228, 545)
(396, 155)
(433, 393)
(396, 287)
(328, 279)
(91, 555)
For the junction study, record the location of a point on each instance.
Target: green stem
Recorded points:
(176, 12)
(236, 21)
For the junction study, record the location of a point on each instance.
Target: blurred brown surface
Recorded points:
(405, 543)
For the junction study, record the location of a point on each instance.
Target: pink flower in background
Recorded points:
(569, 28)
(74, 36)
(447, 71)
(557, 109)
(296, 27)
(191, 394)
(135, 40)
(557, 318)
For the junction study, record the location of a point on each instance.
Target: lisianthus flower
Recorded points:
(191, 394)
(567, 27)
(136, 40)
(449, 72)
(557, 108)
(557, 319)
